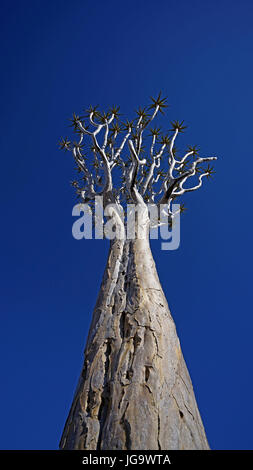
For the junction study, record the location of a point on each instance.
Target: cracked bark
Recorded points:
(134, 391)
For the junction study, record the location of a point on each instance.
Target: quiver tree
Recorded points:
(134, 390)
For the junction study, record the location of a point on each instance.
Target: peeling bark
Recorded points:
(134, 391)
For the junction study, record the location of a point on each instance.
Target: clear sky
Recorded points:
(61, 56)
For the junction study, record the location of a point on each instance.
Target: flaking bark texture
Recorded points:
(134, 391)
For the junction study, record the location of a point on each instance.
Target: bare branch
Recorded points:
(155, 164)
(108, 178)
(180, 166)
(191, 173)
(118, 152)
(139, 177)
(132, 176)
(172, 158)
(107, 170)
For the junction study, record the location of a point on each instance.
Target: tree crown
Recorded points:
(115, 158)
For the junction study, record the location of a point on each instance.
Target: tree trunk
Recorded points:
(134, 391)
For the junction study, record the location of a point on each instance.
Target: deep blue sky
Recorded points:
(58, 57)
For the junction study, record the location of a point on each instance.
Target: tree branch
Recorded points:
(138, 181)
(132, 176)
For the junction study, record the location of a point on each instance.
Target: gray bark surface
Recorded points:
(134, 391)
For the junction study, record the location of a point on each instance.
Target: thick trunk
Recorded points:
(134, 391)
